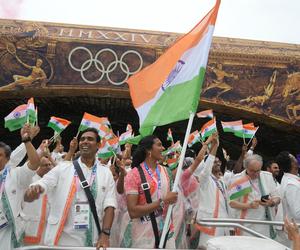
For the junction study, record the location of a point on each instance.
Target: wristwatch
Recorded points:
(161, 203)
(106, 231)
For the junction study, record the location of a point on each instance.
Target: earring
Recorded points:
(150, 155)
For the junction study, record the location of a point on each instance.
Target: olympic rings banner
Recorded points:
(106, 65)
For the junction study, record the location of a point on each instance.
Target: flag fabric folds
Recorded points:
(31, 111)
(208, 129)
(205, 114)
(108, 148)
(125, 137)
(248, 131)
(91, 121)
(58, 124)
(17, 118)
(194, 138)
(169, 89)
(234, 126)
(239, 188)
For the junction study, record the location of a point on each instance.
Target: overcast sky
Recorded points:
(268, 20)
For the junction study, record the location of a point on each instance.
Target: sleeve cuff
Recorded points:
(111, 202)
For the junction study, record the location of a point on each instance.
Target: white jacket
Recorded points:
(208, 192)
(57, 184)
(290, 191)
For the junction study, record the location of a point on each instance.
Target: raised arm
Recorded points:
(24, 64)
(33, 157)
(204, 175)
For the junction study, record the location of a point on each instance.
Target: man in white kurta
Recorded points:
(251, 206)
(14, 181)
(212, 196)
(66, 197)
(35, 213)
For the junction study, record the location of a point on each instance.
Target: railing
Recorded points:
(237, 224)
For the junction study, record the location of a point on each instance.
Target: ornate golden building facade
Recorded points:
(70, 69)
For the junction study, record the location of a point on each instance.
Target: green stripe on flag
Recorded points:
(240, 193)
(209, 133)
(175, 104)
(32, 116)
(246, 136)
(82, 127)
(105, 155)
(15, 124)
(55, 127)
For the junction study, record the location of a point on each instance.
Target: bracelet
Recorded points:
(27, 139)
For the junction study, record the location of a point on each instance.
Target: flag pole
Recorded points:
(36, 114)
(252, 137)
(244, 139)
(177, 178)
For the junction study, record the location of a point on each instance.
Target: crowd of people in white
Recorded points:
(44, 201)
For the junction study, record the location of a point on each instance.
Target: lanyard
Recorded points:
(158, 181)
(2, 181)
(222, 189)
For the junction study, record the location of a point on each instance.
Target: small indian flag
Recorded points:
(208, 129)
(105, 121)
(176, 147)
(17, 118)
(108, 148)
(194, 138)
(90, 121)
(248, 131)
(170, 136)
(173, 162)
(239, 188)
(233, 126)
(58, 124)
(31, 111)
(125, 136)
(206, 113)
(169, 89)
(103, 130)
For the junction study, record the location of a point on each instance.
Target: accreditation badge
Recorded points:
(3, 219)
(81, 216)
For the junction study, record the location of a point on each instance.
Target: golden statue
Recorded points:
(219, 83)
(291, 93)
(262, 99)
(37, 74)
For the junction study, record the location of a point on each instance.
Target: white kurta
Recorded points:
(31, 215)
(290, 193)
(17, 181)
(57, 184)
(207, 200)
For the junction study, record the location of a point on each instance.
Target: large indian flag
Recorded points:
(58, 124)
(17, 118)
(169, 89)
